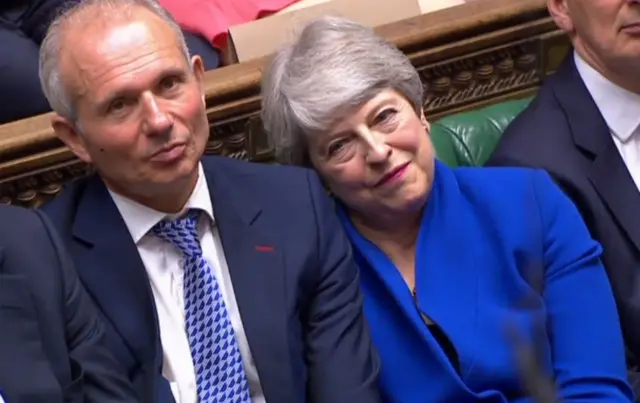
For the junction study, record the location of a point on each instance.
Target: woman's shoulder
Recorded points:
(499, 176)
(503, 183)
(506, 195)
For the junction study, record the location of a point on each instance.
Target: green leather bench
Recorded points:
(469, 138)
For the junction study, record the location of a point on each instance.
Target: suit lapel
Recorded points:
(111, 269)
(608, 173)
(613, 182)
(256, 264)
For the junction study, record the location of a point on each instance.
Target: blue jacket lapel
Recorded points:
(111, 269)
(255, 256)
(447, 262)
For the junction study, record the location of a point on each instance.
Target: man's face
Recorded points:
(606, 33)
(141, 117)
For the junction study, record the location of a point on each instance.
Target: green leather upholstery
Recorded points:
(469, 138)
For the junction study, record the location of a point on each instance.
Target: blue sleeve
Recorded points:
(586, 341)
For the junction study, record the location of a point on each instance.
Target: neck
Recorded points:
(169, 199)
(395, 234)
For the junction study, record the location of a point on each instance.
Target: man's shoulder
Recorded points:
(17, 220)
(266, 170)
(61, 209)
(544, 117)
(24, 234)
(282, 189)
(540, 136)
(261, 177)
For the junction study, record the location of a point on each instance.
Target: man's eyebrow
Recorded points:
(172, 71)
(112, 96)
(126, 92)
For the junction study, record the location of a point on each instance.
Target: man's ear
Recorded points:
(68, 133)
(197, 66)
(559, 11)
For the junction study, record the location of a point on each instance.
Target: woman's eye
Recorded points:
(336, 147)
(385, 116)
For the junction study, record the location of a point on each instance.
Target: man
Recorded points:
(51, 340)
(584, 129)
(163, 237)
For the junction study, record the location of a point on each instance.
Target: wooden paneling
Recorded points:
(470, 55)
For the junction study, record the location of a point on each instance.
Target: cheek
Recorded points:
(425, 152)
(119, 141)
(193, 111)
(598, 24)
(415, 142)
(343, 180)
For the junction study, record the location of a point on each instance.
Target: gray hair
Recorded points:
(334, 66)
(51, 81)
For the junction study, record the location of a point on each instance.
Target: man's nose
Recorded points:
(157, 120)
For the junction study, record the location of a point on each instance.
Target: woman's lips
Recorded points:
(392, 175)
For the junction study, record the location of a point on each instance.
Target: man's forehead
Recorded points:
(139, 24)
(107, 45)
(124, 54)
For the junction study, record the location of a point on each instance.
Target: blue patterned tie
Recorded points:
(214, 349)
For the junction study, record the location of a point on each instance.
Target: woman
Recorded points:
(450, 259)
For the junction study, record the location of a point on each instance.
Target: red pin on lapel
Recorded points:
(264, 248)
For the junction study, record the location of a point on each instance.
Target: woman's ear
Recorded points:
(425, 122)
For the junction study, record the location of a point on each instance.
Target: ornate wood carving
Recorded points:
(467, 56)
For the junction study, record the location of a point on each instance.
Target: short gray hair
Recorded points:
(51, 81)
(333, 66)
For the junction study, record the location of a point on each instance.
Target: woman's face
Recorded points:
(379, 159)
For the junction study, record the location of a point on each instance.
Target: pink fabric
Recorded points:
(213, 18)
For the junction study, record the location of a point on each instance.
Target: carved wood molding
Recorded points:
(467, 56)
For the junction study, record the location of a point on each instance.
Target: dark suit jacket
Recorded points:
(300, 303)
(563, 132)
(51, 340)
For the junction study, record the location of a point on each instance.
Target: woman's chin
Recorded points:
(409, 204)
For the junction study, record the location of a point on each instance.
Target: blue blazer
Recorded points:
(293, 276)
(486, 235)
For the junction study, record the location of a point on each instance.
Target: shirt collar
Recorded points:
(141, 219)
(619, 108)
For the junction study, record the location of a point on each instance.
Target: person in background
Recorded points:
(583, 128)
(219, 283)
(455, 264)
(212, 19)
(52, 345)
(23, 24)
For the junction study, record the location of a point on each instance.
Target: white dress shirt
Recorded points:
(164, 265)
(621, 111)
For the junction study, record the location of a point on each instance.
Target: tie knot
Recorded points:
(181, 233)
